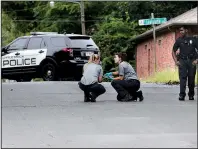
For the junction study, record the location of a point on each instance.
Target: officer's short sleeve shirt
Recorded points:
(176, 45)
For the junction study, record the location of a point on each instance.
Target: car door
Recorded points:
(34, 54)
(12, 60)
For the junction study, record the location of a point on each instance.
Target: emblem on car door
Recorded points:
(77, 58)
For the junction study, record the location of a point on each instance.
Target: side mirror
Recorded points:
(4, 49)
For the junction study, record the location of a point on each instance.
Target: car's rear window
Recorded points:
(82, 42)
(58, 41)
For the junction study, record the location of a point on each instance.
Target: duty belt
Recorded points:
(187, 57)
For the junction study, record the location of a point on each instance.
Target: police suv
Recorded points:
(47, 55)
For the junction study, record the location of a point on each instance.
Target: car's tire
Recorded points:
(49, 72)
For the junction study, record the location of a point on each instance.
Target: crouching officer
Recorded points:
(127, 83)
(92, 76)
(187, 59)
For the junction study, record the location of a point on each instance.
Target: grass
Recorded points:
(168, 76)
(37, 79)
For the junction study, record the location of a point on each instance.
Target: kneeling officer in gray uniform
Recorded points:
(91, 78)
(127, 83)
(186, 61)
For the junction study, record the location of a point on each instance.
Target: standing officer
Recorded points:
(186, 61)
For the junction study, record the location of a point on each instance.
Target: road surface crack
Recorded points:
(51, 135)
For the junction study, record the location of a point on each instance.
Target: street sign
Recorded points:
(152, 21)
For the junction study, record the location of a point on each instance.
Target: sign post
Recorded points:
(154, 40)
(152, 22)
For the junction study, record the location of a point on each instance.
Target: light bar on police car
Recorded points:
(42, 33)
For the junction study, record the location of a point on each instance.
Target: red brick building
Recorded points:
(166, 34)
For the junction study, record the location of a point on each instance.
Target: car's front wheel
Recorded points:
(48, 72)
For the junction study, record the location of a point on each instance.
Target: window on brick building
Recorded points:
(159, 42)
(145, 47)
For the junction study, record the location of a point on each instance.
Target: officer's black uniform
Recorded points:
(188, 54)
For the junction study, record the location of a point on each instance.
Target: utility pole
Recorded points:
(82, 12)
(154, 40)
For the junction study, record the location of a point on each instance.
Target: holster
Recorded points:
(189, 56)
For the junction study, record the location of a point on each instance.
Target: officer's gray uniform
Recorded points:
(89, 81)
(188, 54)
(91, 73)
(126, 70)
(129, 86)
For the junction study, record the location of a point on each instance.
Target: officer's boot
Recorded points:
(93, 97)
(129, 97)
(181, 97)
(86, 97)
(119, 98)
(191, 95)
(191, 98)
(140, 95)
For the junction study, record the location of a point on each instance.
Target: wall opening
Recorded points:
(145, 47)
(149, 61)
(159, 42)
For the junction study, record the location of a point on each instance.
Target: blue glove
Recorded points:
(106, 75)
(109, 75)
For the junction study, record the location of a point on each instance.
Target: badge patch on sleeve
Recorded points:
(190, 41)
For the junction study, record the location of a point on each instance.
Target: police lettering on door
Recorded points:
(19, 62)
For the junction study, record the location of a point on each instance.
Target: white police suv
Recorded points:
(47, 55)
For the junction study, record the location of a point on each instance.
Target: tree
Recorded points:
(9, 31)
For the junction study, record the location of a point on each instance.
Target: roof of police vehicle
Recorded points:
(51, 34)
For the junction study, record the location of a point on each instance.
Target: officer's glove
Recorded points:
(109, 75)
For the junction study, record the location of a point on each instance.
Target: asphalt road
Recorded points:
(53, 114)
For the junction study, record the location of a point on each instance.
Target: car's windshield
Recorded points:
(82, 42)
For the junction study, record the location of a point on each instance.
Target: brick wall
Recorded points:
(145, 54)
(164, 51)
(164, 44)
(144, 59)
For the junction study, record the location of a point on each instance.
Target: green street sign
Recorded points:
(152, 21)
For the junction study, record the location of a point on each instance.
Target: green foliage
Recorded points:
(112, 24)
(113, 36)
(9, 31)
(107, 63)
(63, 17)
